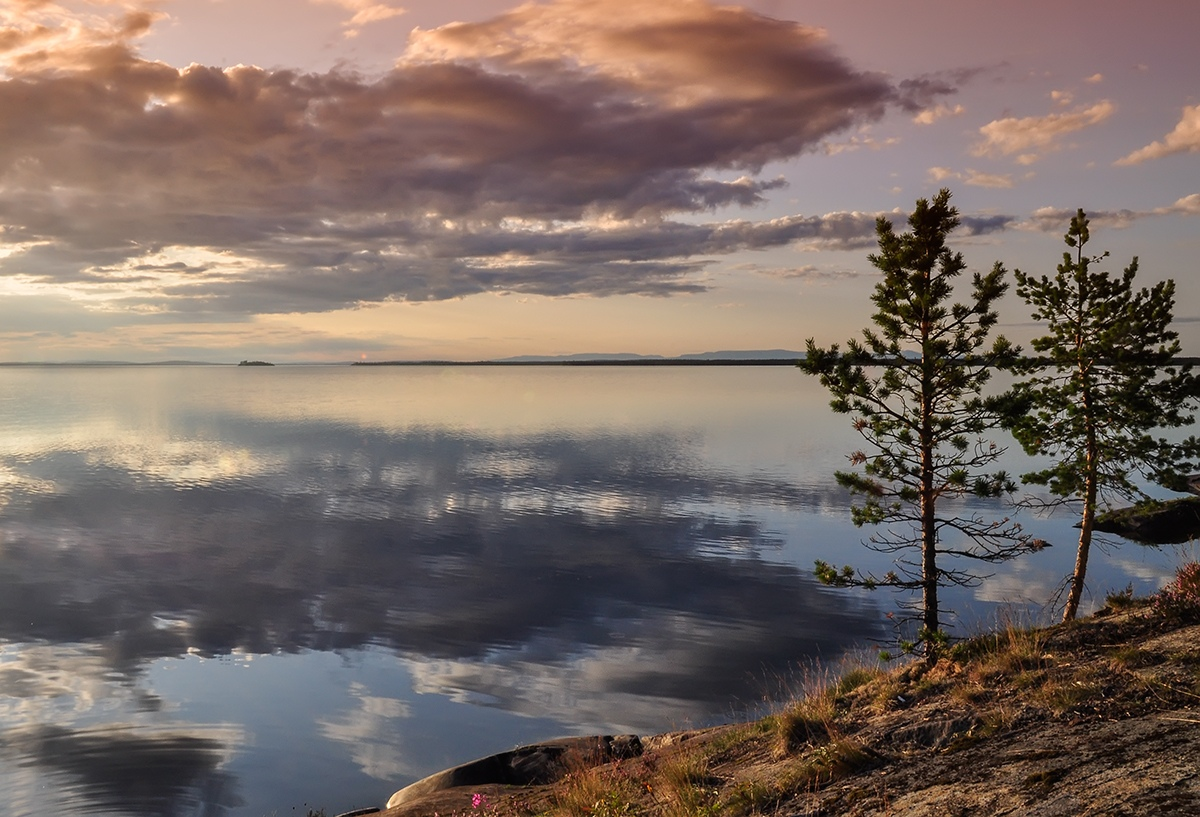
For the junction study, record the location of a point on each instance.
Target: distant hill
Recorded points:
(585, 356)
(754, 354)
(627, 357)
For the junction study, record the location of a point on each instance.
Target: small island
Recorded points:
(1155, 522)
(255, 363)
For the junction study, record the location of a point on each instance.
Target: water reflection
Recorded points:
(414, 547)
(129, 771)
(600, 573)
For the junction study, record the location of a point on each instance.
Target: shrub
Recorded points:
(1180, 598)
(1121, 599)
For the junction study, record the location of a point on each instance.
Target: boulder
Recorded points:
(1160, 523)
(533, 765)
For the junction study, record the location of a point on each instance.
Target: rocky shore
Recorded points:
(1100, 716)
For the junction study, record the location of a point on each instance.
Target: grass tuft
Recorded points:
(1072, 691)
(807, 722)
(1007, 654)
(603, 791)
(686, 786)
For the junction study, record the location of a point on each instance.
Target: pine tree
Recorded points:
(922, 415)
(1105, 382)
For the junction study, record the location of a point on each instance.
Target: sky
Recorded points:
(336, 180)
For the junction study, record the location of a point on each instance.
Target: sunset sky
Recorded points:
(332, 180)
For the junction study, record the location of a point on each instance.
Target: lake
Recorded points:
(257, 590)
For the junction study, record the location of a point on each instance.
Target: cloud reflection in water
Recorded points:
(455, 560)
(601, 575)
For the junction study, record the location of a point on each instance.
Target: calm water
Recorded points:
(249, 591)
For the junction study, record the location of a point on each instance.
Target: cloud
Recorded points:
(857, 143)
(805, 272)
(364, 12)
(924, 92)
(1032, 136)
(930, 115)
(1055, 219)
(480, 163)
(976, 178)
(971, 177)
(38, 35)
(1184, 139)
(1188, 205)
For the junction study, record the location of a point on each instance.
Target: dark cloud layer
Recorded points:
(544, 151)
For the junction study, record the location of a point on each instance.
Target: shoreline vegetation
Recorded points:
(1093, 716)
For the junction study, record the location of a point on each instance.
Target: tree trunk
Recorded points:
(929, 572)
(1088, 523)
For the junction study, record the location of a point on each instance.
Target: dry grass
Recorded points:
(802, 775)
(603, 791)
(807, 722)
(687, 786)
(847, 722)
(811, 720)
(1006, 654)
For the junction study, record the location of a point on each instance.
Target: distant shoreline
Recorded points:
(102, 364)
(598, 362)
(1181, 361)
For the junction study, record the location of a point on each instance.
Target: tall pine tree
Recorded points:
(914, 386)
(1106, 381)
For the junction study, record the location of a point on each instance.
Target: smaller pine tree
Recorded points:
(1107, 378)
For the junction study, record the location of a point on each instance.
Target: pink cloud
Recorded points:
(1030, 137)
(930, 115)
(364, 12)
(1184, 139)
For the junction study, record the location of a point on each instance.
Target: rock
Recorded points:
(1159, 523)
(935, 734)
(534, 765)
